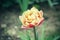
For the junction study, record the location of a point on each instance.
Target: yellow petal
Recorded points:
(22, 19)
(41, 13)
(34, 9)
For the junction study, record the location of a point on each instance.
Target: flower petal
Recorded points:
(41, 13)
(24, 27)
(31, 25)
(22, 20)
(20, 17)
(40, 22)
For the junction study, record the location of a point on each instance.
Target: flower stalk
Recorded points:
(34, 30)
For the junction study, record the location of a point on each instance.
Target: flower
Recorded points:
(31, 18)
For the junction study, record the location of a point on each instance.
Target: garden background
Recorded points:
(10, 25)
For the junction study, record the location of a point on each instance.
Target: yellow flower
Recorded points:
(31, 18)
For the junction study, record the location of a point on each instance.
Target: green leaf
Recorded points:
(28, 36)
(42, 36)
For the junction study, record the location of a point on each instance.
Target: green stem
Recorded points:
(34, 30)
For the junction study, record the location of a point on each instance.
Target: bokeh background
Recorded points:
(10, 10)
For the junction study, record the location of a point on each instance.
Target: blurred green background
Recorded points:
(10, 10)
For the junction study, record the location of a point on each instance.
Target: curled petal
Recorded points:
(41, 13)
(40, 22)
(20, 17)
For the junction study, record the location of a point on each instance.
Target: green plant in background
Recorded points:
(57, 38)
(23, 4)
(43, 32)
